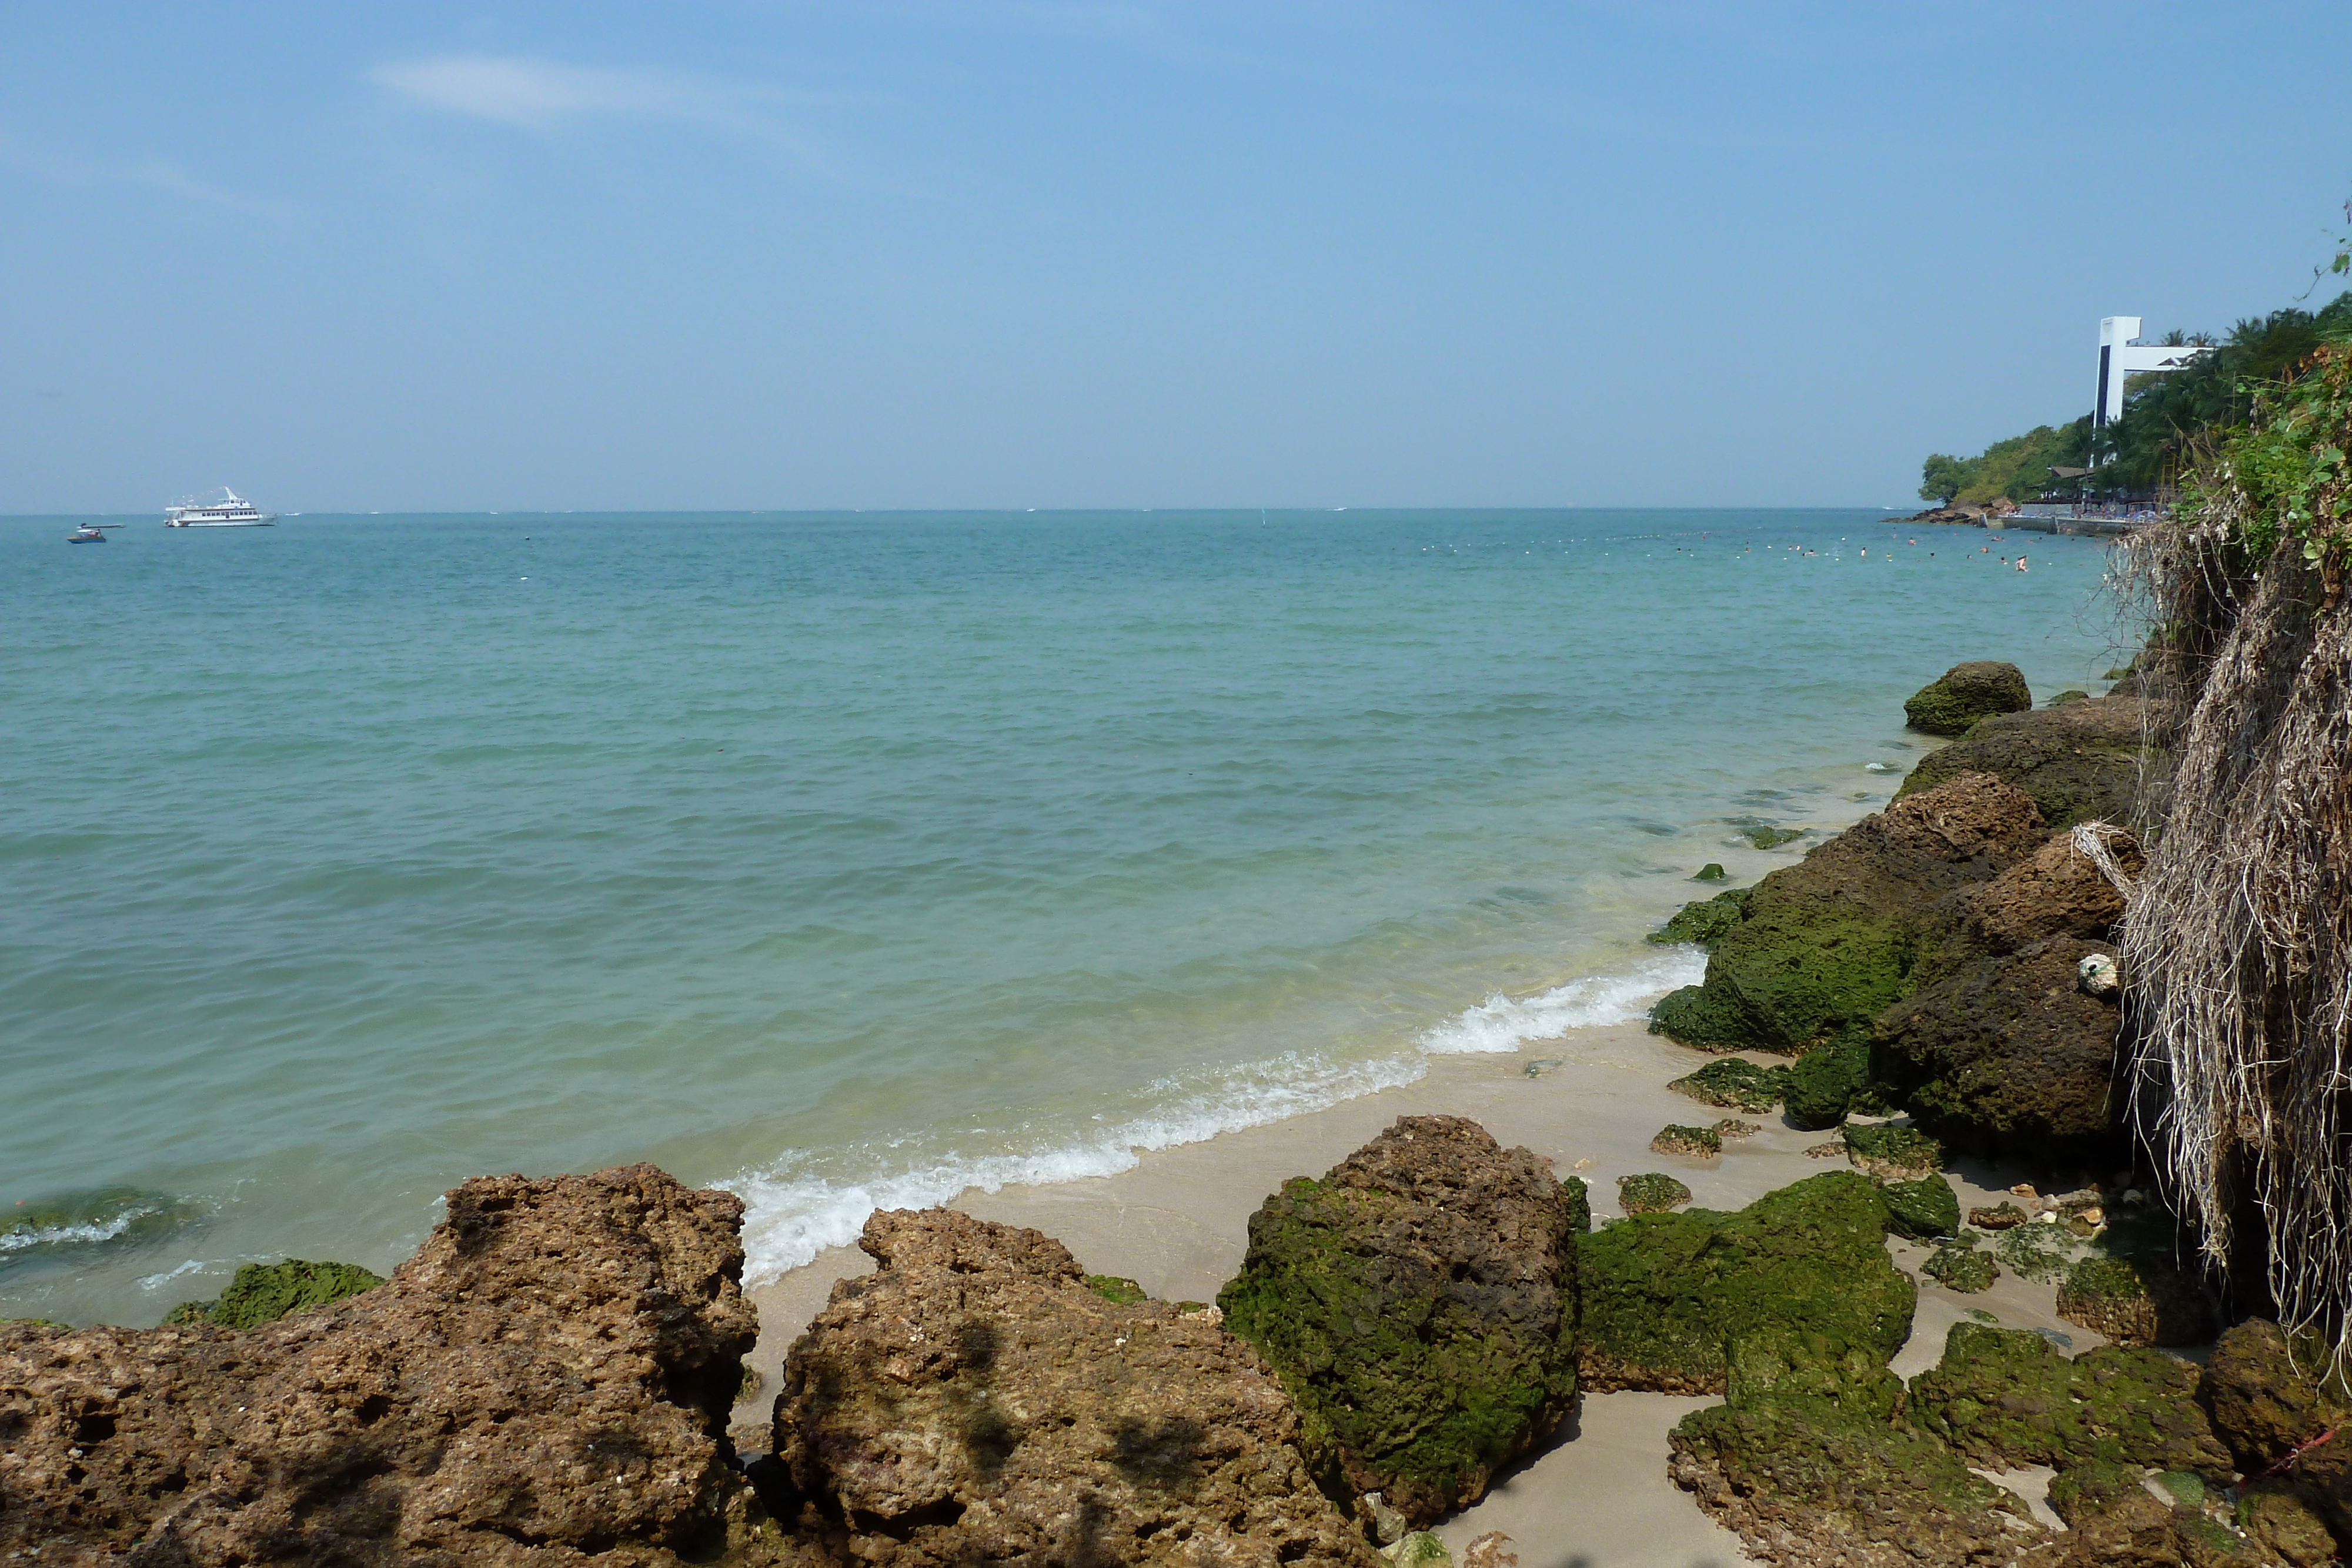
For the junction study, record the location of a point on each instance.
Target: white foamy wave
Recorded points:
(1505, 1023)
(32, 1236)
(795, 1212)
(796, 1209)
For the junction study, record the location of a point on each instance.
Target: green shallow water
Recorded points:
(847, 859)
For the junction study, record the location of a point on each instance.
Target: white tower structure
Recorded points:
(2119, 358)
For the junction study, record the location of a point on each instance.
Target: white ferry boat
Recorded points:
(223, 510)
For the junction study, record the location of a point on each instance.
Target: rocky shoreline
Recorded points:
(555, 1376)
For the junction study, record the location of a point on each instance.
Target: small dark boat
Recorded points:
(91, 534)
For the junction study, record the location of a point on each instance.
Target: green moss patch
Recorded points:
(1711, 872)
(2135, 1302)
(1652, 1192)
(1824, 1084)
(1962, 1269)
(1117, 1288)
(1578, 1198)
(1964, 694)
(2042, 1253)
(1924, 1210)
(1666, 1294)
(1704, 923)
(1734, 1084)
(1892, 1152)
(2005, 1398)
(264, 1292)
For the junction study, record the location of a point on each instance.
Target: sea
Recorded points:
(849, 859)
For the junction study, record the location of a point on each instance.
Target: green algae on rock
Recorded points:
(1965, 694)
(1578, 1196)
(1823, 1084)
(1925, 1210)
(2039, 1252)
(2135, 1302)
(1652, 1192)
(1892, 1152)
(1697, 1142)
(1117, 1288)
(1419, 1304)
(1828, 945)
(1665, 1294)
(1734, 1084)
(2006, 1397)
(1703, 922)
(1827, 1484)
(1711, 872)
(1962, 1269)
(264, 1292)
(2085, 761)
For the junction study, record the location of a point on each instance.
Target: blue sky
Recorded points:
(995, 254)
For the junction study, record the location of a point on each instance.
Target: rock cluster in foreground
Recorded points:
(547, 1377)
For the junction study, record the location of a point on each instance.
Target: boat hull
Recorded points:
(229, 523)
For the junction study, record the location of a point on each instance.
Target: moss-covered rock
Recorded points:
(1419, 1304)
(2135, 1302)
(2071, 695)
(1924, 1210)
(1578, 1196)
(2001, 1216)
(2092, 1487)
(264, 1292)
(1965, 694)
(1117, 1288)
(1711, 872)
(2281, 1521)
(2085, 760)
(2042, 1253)
(1781, 1361)
(1733, 1127)
(1823, 1084)
(1891, 1152)
(2270, 1406)
(1696, 1143)
(1651, 1192)
(1734, 1083)
(1665, 1294)
(1829, 944)
(1766, 835)
(2005, 1398)
(1705, 922)
(1962, 1269)
(1807, 1480)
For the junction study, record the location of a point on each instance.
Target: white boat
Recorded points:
(225, 508)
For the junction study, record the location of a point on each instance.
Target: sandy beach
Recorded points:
(1596, 1495)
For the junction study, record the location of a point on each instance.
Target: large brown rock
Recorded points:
(2270, 1406)
(973, 1402)
(2059, 891)
(2084, 760)
(1827, 945)
(2007, 1055)
(547, 1377)
(1419, 1302)
(1964, 694)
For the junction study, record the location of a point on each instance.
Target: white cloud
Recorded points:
(537, 94)
(154, 173)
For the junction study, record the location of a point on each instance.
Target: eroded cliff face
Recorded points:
(973, 1401)
(547, 1379)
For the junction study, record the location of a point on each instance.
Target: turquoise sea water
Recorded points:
(848, 859)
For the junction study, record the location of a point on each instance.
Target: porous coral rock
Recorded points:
(2000, 1216)
(1419, 1302)
(2058, 892)
(1962, 1269)
(1664, 1294)
(2135, 1302)
(1733, 1127)
(2085, 760)
(2005, 1398)
(1827, 945)
(550, 1375)
(973, 1401)
(1966, 693)
(2007, 1055)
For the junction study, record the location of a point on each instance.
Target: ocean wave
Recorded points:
(1505, 1023)
(795, 1210)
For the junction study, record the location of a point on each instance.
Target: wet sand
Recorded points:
(1596, 1495)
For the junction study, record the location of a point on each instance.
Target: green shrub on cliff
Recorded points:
(1665, 1294)
(264, 1292)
